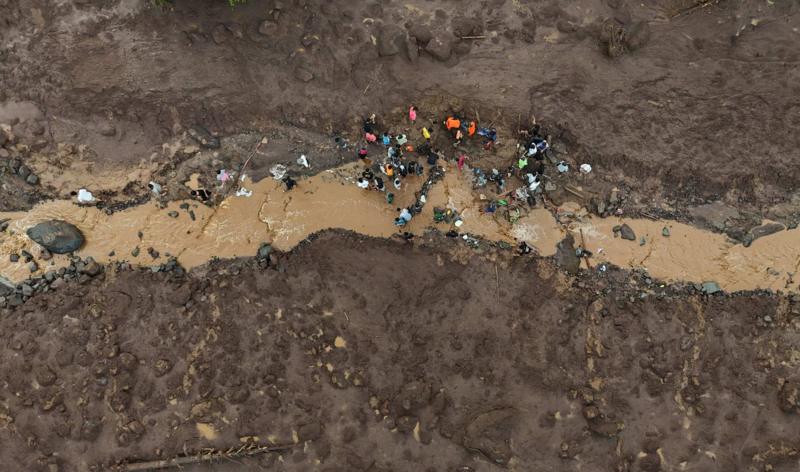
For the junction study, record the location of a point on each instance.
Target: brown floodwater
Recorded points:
(239, 225)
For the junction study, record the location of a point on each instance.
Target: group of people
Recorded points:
(531, 162)
(401, 159)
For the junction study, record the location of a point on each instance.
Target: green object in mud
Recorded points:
(438, 215)
(389, 198)
(502, 203)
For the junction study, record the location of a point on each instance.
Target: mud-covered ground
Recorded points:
(364, 354)
(678, 102)
(352, 353)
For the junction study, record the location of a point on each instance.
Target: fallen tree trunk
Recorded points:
(211, 455)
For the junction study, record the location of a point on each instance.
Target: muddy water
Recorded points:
(694, 255)
(332, 200)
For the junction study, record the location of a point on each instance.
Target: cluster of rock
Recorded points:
(81, 270)
(11, 154)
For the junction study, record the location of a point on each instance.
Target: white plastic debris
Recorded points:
(85, 196)
(278, 171)
(422, 199)
(586, 168)
(241, 179)
(155, 188)
(459, 222)
(243, 192)
(563, 167)
(303, 160)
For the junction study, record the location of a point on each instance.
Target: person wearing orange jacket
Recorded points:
(452, 123)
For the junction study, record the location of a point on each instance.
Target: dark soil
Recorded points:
(449, 360)
(676, 102)
(490, 359)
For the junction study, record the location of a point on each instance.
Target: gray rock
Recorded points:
(57, 236)
(264, 251)
(26, 290)
(13, 165)
(302, 74)
(33, 266)
(204, 137)
(24, 171)
(13, 257)
(50, 276)
(626, 232)
(390, 40)
(665, 232)
(613, 199)
(422, 33)
(32, 179)
(566, 257)
(441, 45)
(173, 214)
(57, 284)
(92, 269)
(107, 129)
(710, 288)
(45, 255)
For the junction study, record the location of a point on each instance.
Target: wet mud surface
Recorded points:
(412, 357)
(665, 99)
(675, 347)
(193, 233)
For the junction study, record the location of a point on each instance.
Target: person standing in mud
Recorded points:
(369, 129)
(289, 182)
(201, 194)
(379, 184)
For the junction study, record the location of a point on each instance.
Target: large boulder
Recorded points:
(441, 45)
(57, 236)
(391, 40)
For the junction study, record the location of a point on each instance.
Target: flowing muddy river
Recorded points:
(240, 224)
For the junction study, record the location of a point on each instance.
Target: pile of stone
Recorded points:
(10, 157)
(80, 270)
